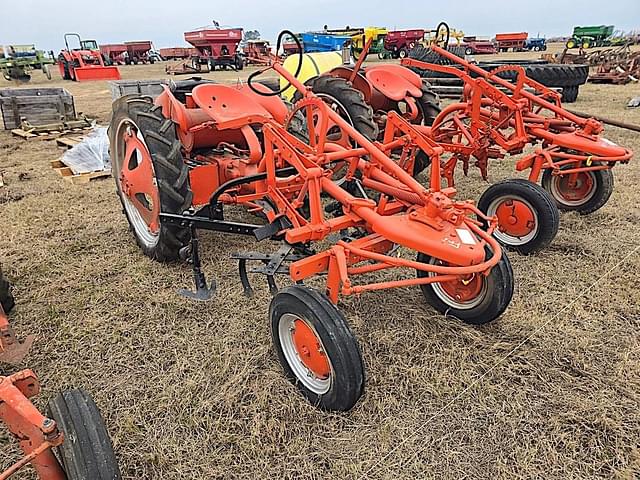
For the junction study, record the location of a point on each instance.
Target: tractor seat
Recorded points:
(227, 104)
(392, 85)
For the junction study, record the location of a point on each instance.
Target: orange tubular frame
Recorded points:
(499, 123)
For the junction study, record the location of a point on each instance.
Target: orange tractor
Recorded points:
(565, 153)
(71, 441)
(340, 206)
(84, 63)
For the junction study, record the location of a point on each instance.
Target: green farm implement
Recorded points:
(18, 61)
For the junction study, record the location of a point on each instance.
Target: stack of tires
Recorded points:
(564, 76)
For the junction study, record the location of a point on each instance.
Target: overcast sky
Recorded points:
(164, 21)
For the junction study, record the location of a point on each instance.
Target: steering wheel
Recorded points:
(260, 72)
(442, 35)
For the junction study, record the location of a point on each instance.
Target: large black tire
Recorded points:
(172, 174)
(596, 198)
(536, 200)
(66, 75)
(424, 54)
(86, 452)
(570, 94)
(429, 106)
(493, 299)
(6, 298)
(350, 100)
(339, 389)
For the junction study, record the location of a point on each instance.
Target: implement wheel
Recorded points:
(585, 194)
(86, 453)
(528, 219)
(475, 299)
(6, 298)
(316, 348)
(150, 174)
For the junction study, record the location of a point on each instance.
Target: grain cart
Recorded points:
(475, 46)
(257, 52)
(138, 52)
(217, 47)
(84, 63)
(592, 36)
(513, 41)
(399, 42)
(202, 146)
(114, 52)
(17, 62)
(71, 441)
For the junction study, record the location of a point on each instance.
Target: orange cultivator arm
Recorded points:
(37, 433)
(11, 350)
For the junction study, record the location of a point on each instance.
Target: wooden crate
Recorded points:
(39, 106)
(152, 88)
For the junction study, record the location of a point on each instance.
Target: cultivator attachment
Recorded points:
(11, 350)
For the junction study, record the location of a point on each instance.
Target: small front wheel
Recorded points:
(316, 348)
(528, 219)
(86, 452)
(585, 193)
(475, 299)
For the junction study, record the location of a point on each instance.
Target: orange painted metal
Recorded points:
(36, 433)
(515, 218)
(310, 349)
(490, 123)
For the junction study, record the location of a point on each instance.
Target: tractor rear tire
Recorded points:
(594, 199)
(318, 351)
(429, 106)
(86, 452)
(493, 299)
(171, 173)
(570, 94)
(349, 100)
(530, 202)
(6, 298)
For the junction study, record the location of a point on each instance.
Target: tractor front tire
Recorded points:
(168, 167)
(6, 298)
(318, 351)
(86, 452)
(594, 188)
(528, 218)
(475, 300)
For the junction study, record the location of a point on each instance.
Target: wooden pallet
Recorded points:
(69, 142)
(51, 135)
(77, 178)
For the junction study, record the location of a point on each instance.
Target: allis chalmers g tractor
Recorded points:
(85, 62)
(494, 119)
(71, 442)
(340, 205)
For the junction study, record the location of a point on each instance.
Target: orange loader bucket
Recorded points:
(86, 74)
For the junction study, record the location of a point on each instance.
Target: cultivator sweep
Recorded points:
(86, 452)
(313, 178)
(495, 118)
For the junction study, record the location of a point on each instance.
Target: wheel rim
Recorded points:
(517, 220)
(463, 293)
(136, 180)
(305, 354)
(577, 195)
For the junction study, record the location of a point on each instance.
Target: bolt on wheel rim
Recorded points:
(464, 293)
(305, 353)
(517, 220)
(137, 181)
(576, 195)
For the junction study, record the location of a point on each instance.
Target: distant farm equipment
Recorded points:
(399, 42)
(475, 46)
(139, 52)
(178, 53)
(18, 61)
(323, 42)
(536, 44)
(84, 63)
(216, 47)
(514, 41)
(257, 52)
(591, 36)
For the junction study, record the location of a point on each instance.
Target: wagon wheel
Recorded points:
(528, 219)
(316, 348)
(583, 192)
(476, 299)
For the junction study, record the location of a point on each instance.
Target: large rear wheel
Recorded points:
(150, 174)
(316, 348)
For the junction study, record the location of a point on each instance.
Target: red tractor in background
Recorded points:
(73, 427)
(84, 63)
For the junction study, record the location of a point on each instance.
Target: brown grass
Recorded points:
(193, 391)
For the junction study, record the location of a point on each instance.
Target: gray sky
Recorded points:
(164, 21)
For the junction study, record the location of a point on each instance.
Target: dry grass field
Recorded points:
(194, 391)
